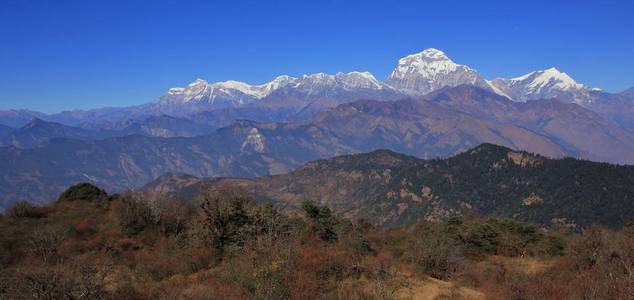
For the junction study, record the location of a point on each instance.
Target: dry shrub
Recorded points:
(435, 253)
(77, 280)
(261, 271)
(24, 209)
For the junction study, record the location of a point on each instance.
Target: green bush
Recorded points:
(507, 237)
(83, 192)
(323, 222)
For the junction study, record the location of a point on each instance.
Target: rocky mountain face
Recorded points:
(391, 189)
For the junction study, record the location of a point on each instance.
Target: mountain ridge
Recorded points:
(393, 189)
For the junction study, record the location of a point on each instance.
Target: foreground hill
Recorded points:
(392, 189)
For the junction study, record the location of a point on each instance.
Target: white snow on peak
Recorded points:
(433, 54)
(175, 91)
(429, 63)
(350, 80)
(198, 81)
(278, 82)
(243, 92)
(549, 78)
(544, 84)
(417, 74)
(365, 75)
(357, 79)
(200, 88)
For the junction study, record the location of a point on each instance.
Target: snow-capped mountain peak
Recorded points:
(357, 79)
(433, 53)
(429, 70)
(429, 63)
(257, 91)
(548, 83)
(198, 81)
(549, 78)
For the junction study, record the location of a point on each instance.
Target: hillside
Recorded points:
(90, 245)
(392, 189)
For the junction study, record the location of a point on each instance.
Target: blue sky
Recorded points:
(58, 55)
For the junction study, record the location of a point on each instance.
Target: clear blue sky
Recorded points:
(57, 55)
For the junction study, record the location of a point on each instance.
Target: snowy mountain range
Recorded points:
(415, 75)
(236, 94)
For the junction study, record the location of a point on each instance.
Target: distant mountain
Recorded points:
(429, 70)
(245, 149)
(628, 93)
(38, 132)
(296, 98)
(5, 130)
(18, 117)
(311, 94)
(617, 108)
(391, 189)
(222, 94)
(288, 97)
(554, 84)
(165, 126)
(580, 131)
(432, 70)
(546, 84)
(424, 129)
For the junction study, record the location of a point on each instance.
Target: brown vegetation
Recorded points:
(228, 247)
